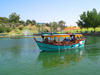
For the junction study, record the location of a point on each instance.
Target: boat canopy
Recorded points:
(63, 35)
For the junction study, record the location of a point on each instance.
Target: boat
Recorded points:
(60, 42)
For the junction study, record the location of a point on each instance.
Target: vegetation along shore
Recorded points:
(89, 24)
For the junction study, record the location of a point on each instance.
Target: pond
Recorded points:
(21, 56)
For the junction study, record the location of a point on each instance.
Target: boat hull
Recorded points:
(50, 47)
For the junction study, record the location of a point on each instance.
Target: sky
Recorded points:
(46, 11)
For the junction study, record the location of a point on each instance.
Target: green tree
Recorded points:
(28, 22)
(1, 21)
(95, 19)
(1, 29)
(89, 19)
(55, 26)
(21, 22)
(4, 20)
(14, 18)
(62, 24)
(80, 24)
(24, 24)
(51, 24)
(20, 28)
(7, 29)
(33, 22)
(43, 27)
(38, 25)
(17, 24)
(47, 24)
(84, 22)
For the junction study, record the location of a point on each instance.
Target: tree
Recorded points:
(7, 29)
(24, 24)
(90, 19)
(85, 22)
(28, 22)
(51, 24)
(99, 19)
(33, 22)
(20, 28)
(55, 26)
(1, 21)
(4, 20)
(80, 24)
(1, 29)
(62, 24)
(21, 22)
(47, 24)
(95, 19)
(17, 24)
(14, 18)
(38, 25)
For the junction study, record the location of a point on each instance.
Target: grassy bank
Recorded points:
(83, 30)
(34, 29)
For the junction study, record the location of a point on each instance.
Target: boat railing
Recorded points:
(52, 42)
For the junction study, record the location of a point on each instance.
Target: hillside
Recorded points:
(31, 28)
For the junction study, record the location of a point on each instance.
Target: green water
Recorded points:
(21, 56)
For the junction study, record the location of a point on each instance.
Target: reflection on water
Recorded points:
(92, 40)
(21, 56)
(65, 59)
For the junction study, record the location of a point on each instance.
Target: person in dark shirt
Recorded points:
(74, 39)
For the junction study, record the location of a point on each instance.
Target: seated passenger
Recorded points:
(46, 40)
(67, 39)
(74, 40)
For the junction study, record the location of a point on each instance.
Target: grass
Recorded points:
(31, 29)
(83, 30)
(34, 29)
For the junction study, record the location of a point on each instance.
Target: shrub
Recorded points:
(45, 30)
(8, 29)
(20, 28)
(1, 29)
(30, 28)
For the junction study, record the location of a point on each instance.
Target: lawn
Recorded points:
(82, 30)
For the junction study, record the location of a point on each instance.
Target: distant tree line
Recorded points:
(53, 26)
(89, 19)
(8, 24)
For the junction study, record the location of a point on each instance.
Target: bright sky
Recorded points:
(48, 10)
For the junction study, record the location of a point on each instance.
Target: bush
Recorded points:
(45, 30)
(8, 30)
(20, 28)
(30, 28)
(1, 29)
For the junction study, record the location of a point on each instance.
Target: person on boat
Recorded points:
(54, 40)
(67, 39)
(46, 40)
(73, 39)
(47, 30)
(43, 39)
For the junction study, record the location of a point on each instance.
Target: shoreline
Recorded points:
(91, 34)
(84, 34)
